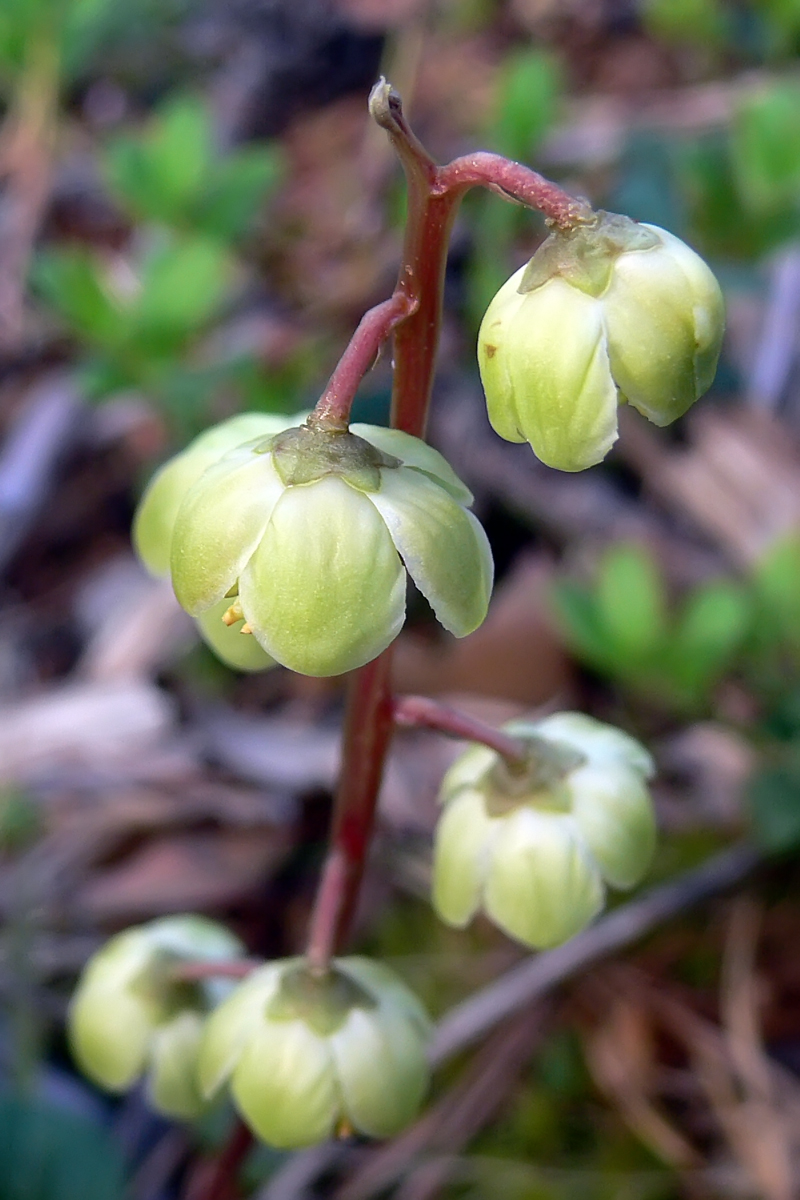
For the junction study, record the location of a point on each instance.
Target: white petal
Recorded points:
(542, 885)
(443, 546)
(172, 1081)
(219, 524)
(381, 1068)
(385, 985)
(158, 508)
(467, 770)
(285, 1085)
(231, 1025)
(614, 812)
(600, 743)
(461, 857)
(413, 452)
(325, 590)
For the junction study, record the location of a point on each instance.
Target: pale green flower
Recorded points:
(154, 523)
(130, 1018)
(307, 1056)
(607, 313)
(310, 532)
(535, 848)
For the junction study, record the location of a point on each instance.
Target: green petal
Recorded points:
(649, 312)
(381, 1068)
(464, 837)
(155, 516)
(110, 1024)
(219, 524)
(602, 744)
(443, 546)
(493, 358)
(232, 1025)
(325, 590)
(192, 936)
(387, 988)
(542, 886)
(236, 649)
(614, 812)
(466, 771)
(559, 392)
(285, 1085)
(413, 452)
(172, 1082)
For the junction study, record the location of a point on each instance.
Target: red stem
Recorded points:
(217, 1180)
(434, 194)
(333, 407)
(237, 968)
(422, 711)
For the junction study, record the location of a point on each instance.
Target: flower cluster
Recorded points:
(535, 844)
(305, 1054)
(608, 312)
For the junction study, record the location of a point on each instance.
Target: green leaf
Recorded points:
(70, 280)
(631, 601)
(237, 189)
(700, 21)
(161, 173)
(530, 88)
(47, 1153)
(183, 286)
(777, 581)
(712, 629)
(773, 795)
(765, 148)
(576, 613)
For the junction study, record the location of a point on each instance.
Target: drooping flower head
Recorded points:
(306, 535)
(308, 1055)
(608, 312)
(132, 1017)
(534, 847)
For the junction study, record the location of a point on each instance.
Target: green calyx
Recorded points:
(310, 452)
(584, 256)
(538, 780)
(322, 1001)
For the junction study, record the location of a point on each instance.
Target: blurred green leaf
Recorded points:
(710, 632)
(578, 617)
(183, 285)
(47, 1153)
(774, 799)
(631, 600)
(237, 189)
(765, 148)
(529, 90)
(702, 22)
(777, 582)
(69, 279)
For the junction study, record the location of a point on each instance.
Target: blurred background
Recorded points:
(194, 214)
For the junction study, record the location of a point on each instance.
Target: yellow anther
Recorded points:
(233, 614)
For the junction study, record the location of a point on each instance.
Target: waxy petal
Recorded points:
(614, 813)
(443, 546)
(413, 452)
(542, 885)
(462, 852)
(285, 1085)
(236, 649)
(601, 744)
(155, 517)
(231, 1026)
(219, 524)
(381, 1069)
(324, 591)
(172, 1082)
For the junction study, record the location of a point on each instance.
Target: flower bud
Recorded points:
(605, 313)
(310, 1055)
(130, 1016)
(311, 529)
(154, 523)
(534, 846)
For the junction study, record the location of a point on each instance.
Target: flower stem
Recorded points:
(415, 314)
(332, 410)
(430, 714)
